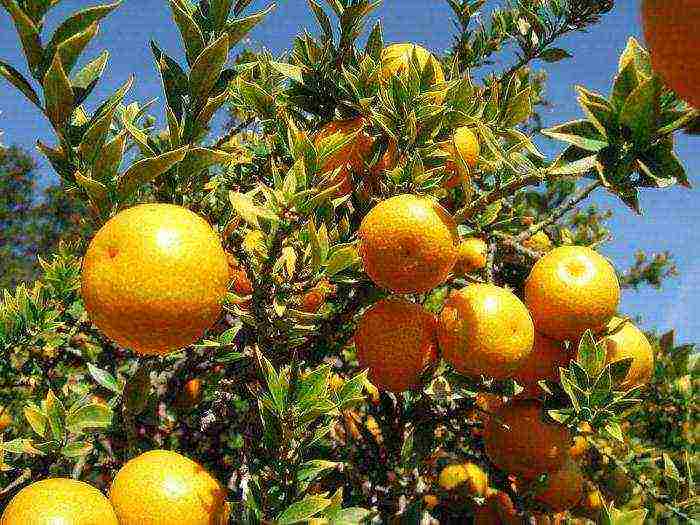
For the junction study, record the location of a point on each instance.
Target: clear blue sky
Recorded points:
(671, 216)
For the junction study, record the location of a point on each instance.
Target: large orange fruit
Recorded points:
(471, 256)
(571, 289)
(162, 487)
(154, 278)
(350, 157)
(395, 339)
(485, 329)
(396, 60)
(543, 362)
(562, 489)
(59, 501)
(628, 342)
(408, 244)
(464, 144)
(671, 33)
(467, 478)
(519, 441)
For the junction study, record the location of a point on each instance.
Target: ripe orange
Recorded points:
(471, 256)
(154, 278)
(591, 504)
(467, 478)
(312, 300)
(388, 160)
(395, 339)
(5, 419)
(396, 59)
(579, 448)
(539, 242)
(350, 157)
(630, 342)
(162, 487)
(193, 391)
(408, 244)
(520, 442)
(671, 32)
(59, 500)
(466, 145)
(543, 362)
(240, 282)
(562, 489)
(498, 509)
(485, 329)
(431, 501)
(571, 289)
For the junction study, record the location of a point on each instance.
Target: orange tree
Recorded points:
(372, 299)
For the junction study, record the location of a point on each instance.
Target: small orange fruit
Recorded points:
(498, 509)
(540, 242)
(579, 448)
(671, 32)
(5, 419)
(430, 501)
(395, 339)
(388, 160)
(520, 442)
(397, 58)
(562, 489)
(485, 329)
(162, 487)
(350, 157)
(408, 244)
(240, 282)
(59, 500)
(628, 342)
(154, 278)
(312, 300)
(467, 478)
(471, 256)
(591, 504)
(466, 145)
(193, 388)
(543, 362)
(571, 289)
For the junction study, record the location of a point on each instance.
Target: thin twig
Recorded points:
(490, 262)
(25, 476)
(515, 244)
(232, 132)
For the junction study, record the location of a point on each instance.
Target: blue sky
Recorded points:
(670, 216)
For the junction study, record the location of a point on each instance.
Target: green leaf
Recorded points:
(661, 167)
(350, 516)
(85, 80)
(288, 70)
(303, 510)
(625, 82)
(519, 108)
(58, 94)
(191, 35)
(175, 81)
(96, 415)
(95, 136)
(198, 159)
(16, 78)
(237, 29)
(147, 170)
(554, 54)
(137, 389)
(20, 446)
(375, 42)
(37, 420)
(70, 49)
(591, 356)
(311, 470)
(211, 107)
(207, 68)
(79, 22)
(28, 34)
(248, 210)
(77, 449)
(341, 259)
(105, 379)
(640, 112)
(619, 369)
(107, 162)
(322, 19)
(613, 429)
(218, 13)
(573, 161)
(637, 56)
(173, 127)
(276, 384)
(56, 414)
(581, 133)
(98, 193)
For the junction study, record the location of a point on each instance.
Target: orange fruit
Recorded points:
(464, 144)
(485, 329)
(431, 501)
(312, 300)
(350, 157)
(562, 489)
(162, 487)
(397, 58)
(395, 339)
(388, 160)
(579, 448)
(543, 362)
(571, 289)
(628, 342)
(591, 504)
(408, 244)
(671, 33)
(57, 501)
(471, 256)
(193, 389)
(519, 441)
(468, 478)
(240, 282)
(154, 278)
(498, 509)
(5, 419)
(539, 242)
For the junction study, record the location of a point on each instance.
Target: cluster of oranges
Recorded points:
(158, 487)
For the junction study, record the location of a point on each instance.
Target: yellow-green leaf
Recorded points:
(70, 49)
(237, 29)
(58, 94)
(191, 35)
(16, 78)
(37, 420)
(148, 170)
(107, 162)
(207, 68)
(28, 34)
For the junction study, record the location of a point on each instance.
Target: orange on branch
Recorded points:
(471, 256)
(571, 289)
(154, 278)
(396, 60)
(540, 242)
(498, 509)
(162, 487)
(519, 441)
(59, 501)
(671, 33)
(395, 339)
(485, 329)
(467, 478)
(464, 145)
(630, 342)
(562, 489)
(542, 363)
(5, 419)
(408, 244)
